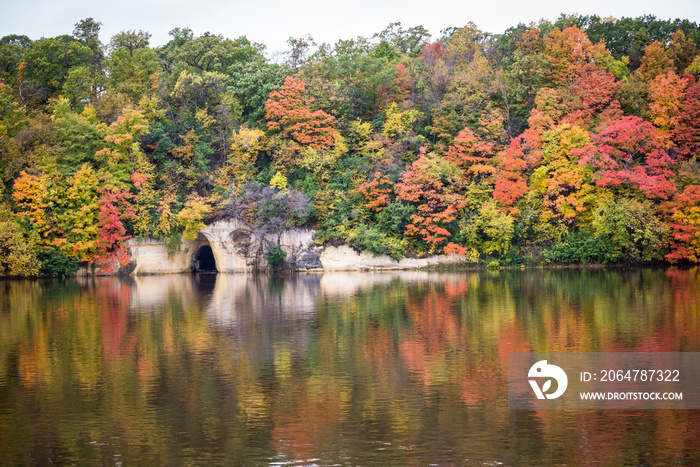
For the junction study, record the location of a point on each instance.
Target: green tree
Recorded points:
(214, 53)
(12, 48)
(131, 64)
(406, 41)
(489, 230)
(252, 82)
(12, 120)
(633, 228)
(46, 65)
(87, 31)
(76, 138)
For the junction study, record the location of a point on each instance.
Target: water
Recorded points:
(334, 369)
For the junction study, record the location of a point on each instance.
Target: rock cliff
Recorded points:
(234, 251)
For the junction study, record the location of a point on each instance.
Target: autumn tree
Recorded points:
(115, 209)
(473, 154)
(460, 82)
(432, 184)
(565, 186)
(684, 223)
(682, 50)
(31, 196)
(524, 153)
(117, 159)
(655, 61)
(289, 111)
(569, 51)
(252, 82)
(631, 153)
(542, 142)
(686, 133)
(17, 250)
(591, 97)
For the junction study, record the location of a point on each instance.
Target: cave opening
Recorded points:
(204, 260)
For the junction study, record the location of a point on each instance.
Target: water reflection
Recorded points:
(346, 368)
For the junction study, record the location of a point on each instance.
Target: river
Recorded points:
(404, 368)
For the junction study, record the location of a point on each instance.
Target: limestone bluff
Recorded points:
(233, 252)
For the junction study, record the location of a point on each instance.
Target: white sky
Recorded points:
(272, 22)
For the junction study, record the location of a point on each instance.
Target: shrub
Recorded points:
(275, 255)
(371, 240)
(583, 248)
(395, 217)
(54, 263)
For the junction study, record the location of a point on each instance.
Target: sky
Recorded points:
(272, 22)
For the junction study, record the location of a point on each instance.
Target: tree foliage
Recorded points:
(567, 141)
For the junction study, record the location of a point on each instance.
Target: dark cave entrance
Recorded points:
(204, 260)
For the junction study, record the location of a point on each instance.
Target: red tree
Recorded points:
(523, 153)
(591, 91)
(431, 182)
(686, 133)
(377, 192)
(683, 213)
(631, 152)
(114, 209)
(473, 154)
(396, 90)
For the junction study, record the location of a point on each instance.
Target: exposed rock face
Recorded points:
(235, 251)
(152, 257)
(308, 259)
(302, 252)
(228, 245)
(344, 258)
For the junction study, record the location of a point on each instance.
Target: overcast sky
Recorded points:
(273, 22)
